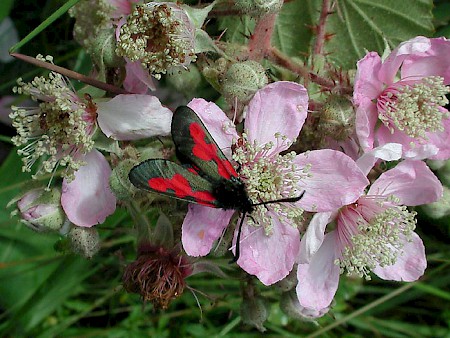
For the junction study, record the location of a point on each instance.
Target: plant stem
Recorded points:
(70, 73)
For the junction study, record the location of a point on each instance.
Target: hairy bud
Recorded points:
(290, 305)
(103, 49)
(242, 80)
(120, 183)
(84, 241)
(40, 210)
(337, 118)
(258, 8)
(254, 309)
(441, 208)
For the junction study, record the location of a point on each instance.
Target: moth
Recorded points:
(205, 176)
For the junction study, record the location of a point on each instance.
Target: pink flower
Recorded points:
(60, 132)
(374, 234)
(270, 238)
(406, 93)
(88, 200)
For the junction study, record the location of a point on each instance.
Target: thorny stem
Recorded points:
(320, 39)
(259, 44)
(283, 60)
(69, 73)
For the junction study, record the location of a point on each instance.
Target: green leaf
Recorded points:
(5, 8)
(8, 37)
(362, 25)
(292, 33)
(47, 22)
(198, 15)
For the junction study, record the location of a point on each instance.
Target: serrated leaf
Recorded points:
(361, 25)
(237, 29)
(293, 33)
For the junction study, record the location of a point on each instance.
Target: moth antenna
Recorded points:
(238, 240)
(287, 199)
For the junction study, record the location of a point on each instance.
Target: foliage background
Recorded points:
(44, 293)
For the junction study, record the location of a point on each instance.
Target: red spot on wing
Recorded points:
(209, 152)
(181, 188)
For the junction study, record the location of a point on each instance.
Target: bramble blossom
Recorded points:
(374, 234)
(60, 131)
(406, 92)
(270, 237)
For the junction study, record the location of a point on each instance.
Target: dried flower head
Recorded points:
(159, 35)
(157, 275)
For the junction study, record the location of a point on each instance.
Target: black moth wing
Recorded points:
(171, 179)
(195, 145)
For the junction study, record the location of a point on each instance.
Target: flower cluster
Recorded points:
(314, 213)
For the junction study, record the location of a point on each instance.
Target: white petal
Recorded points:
(133, 117)
(88, 200)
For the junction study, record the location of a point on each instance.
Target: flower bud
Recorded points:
(289, 282)
(40, 210)
(243, 79)
(213, 71)
(444, 173)
(103, 49)
(441, 208)
(85, 241)
(185, 81)
(254, 309)
(337, 118)
(258, 8)
(290, 305)
(120, 183)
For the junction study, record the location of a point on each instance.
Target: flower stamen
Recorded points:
(269, 177)
(416, 108)
(371, 232)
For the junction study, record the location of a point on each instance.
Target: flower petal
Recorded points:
(410, 265)
(411, 148)
(314, 235)
(201, 227)
(269, 257)
(411, 181)
(333, 181)
(367, 83)
(218, 124)
(319, 280)
(391, 65)
(137, 78)
(88, 200)
(441, 140)
(133, 117)
(429, 58)
(386, 152)
(279, 107)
